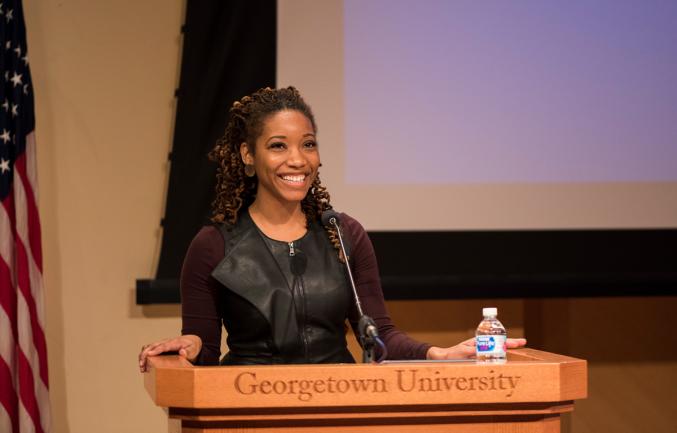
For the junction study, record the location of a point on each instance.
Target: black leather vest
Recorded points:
(277, 307)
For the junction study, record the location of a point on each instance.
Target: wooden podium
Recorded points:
(528, 393)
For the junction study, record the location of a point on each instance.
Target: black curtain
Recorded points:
(229, 50)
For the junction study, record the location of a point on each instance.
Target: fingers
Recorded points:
(513, 343)
(158, 348)
(146, 351)
(188, 346)
(142, 357)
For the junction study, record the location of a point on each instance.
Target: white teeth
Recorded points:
(299, 178)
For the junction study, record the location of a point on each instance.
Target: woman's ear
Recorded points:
(246, 155)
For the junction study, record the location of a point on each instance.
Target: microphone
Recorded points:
(366, 325)
(330, 218)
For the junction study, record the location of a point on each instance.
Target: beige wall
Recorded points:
(104, 74)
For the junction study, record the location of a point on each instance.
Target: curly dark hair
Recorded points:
(234, 190)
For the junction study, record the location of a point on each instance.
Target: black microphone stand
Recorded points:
(366, 326)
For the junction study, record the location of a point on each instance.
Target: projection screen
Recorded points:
(465, 115)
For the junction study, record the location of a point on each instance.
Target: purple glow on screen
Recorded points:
(510, 91)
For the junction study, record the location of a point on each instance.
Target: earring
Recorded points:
(249, 170)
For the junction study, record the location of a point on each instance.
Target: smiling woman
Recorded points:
(267, 269)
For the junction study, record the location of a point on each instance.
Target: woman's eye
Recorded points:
(277, 145)
(310, 144)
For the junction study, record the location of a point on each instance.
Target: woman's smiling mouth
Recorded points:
(293, 179)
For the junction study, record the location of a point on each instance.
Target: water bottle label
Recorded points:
(490, 344)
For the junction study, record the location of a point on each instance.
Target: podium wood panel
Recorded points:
(526, 394)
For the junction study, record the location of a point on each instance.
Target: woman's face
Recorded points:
(286, 157)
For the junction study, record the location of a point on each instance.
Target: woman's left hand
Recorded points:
(466, 349)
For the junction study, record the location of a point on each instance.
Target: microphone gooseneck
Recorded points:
(366, 326)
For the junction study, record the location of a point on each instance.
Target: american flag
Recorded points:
(24, 397)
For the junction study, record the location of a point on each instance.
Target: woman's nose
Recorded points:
(296, 158)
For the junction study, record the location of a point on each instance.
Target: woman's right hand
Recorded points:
(188, 346)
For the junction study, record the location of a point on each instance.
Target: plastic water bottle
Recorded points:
(490, 338)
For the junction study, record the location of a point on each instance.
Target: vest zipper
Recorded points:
(291, 249)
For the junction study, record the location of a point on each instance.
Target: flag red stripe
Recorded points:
(8, 396)
(24, 284)
(31, 211)
(8, 204)
(8, 297)
(27, 391)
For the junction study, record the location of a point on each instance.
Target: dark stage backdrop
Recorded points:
(228, 52)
